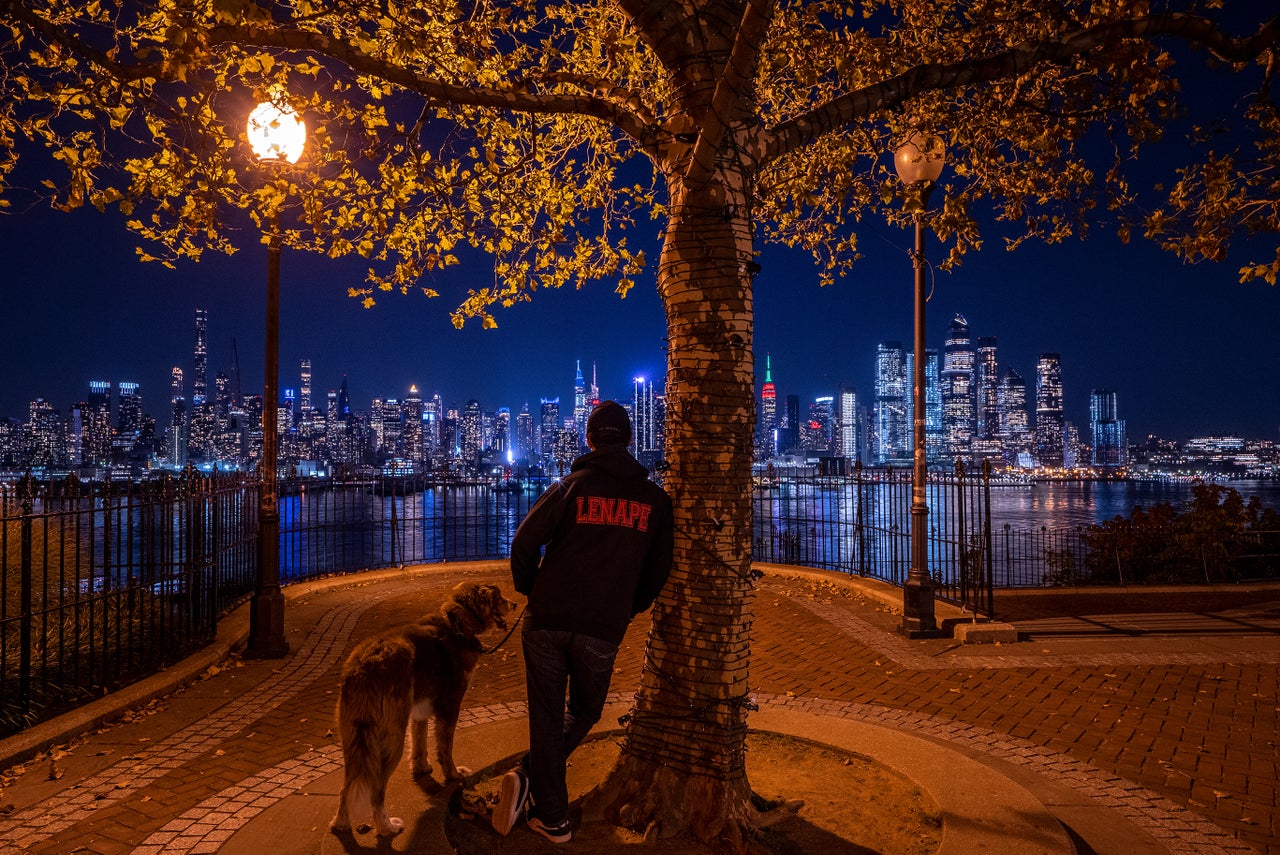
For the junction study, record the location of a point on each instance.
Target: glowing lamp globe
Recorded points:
(276, 132)
(920, 158)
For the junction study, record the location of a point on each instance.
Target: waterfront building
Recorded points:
(128, 438)
(932, 408)
(1051, 451)
(1110, 444)
(819, 428)
(958, 393)
(893, 397)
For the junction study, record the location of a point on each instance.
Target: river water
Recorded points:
(1066, 504)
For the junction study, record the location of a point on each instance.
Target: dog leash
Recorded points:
(495, 647)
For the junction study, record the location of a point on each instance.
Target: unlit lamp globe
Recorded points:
(276, 132)
(920, 158)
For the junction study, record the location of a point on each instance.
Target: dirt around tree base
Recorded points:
(852, 806)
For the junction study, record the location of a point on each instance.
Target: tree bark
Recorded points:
(682, 768)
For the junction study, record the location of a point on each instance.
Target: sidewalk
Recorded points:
(1116, 730)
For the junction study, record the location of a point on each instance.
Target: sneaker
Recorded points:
(555, 833)
(512, 798)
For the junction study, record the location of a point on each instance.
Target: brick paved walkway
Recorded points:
(1177, 737)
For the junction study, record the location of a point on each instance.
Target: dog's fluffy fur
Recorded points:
(413, 673)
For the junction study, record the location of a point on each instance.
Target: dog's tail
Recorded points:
(373, 713)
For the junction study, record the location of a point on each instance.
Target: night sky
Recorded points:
(1187, 349)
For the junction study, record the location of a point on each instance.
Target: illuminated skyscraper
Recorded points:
(176, 439)
(1014, 427)
(304, 398)
(766, 430)
(413, 447)
(580, 409)
(502, 433)
(958, 363)
(1050, 416)
(548, 428)
(199, 379)
(986, 438)
(648, 422)
(96, 425)
(1110, 444)
(893, 385)
(471, 427)
(932, 407)
(525, 439)
(43, 442)
(819, 431)
(846, 439)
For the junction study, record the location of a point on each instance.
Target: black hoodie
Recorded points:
(608, 533)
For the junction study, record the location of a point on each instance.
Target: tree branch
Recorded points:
(733, 84)
(845, 109)
(516, 100)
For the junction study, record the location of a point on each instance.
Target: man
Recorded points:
(608, 535)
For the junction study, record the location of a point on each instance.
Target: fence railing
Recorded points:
(102, 584)
(861, 523)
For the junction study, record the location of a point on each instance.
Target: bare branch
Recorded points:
(847, 108)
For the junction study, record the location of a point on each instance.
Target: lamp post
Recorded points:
(277, 135)
(919, 163)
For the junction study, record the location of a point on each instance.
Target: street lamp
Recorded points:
(277, 135)
(919, 163)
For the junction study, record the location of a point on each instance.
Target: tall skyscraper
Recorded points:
(958, 364)
(893, 384)
(502, 433)
(412, 445)
(648, 422)
(846, 442)
(820, 426)
(96, 425)
(525, 441)
(471, 428)
(580, 409)
(176, 440)
(304, 398)
(1051, 425)
(548, 428)
(767, 417)
(932, 408)
(199, 380)
(1014, 425)
(986, 437)
(1110, 444)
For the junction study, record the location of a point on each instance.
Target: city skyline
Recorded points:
(1129, 319)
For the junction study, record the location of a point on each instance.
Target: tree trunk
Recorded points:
(682, 768)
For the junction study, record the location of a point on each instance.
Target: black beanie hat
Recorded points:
(609, 424)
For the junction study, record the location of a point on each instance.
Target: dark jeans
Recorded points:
(554, 661)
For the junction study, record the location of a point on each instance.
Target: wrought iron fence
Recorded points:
(105, 583)
(102, 584)
(861, 523)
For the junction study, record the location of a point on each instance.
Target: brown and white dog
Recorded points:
(413, 673)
